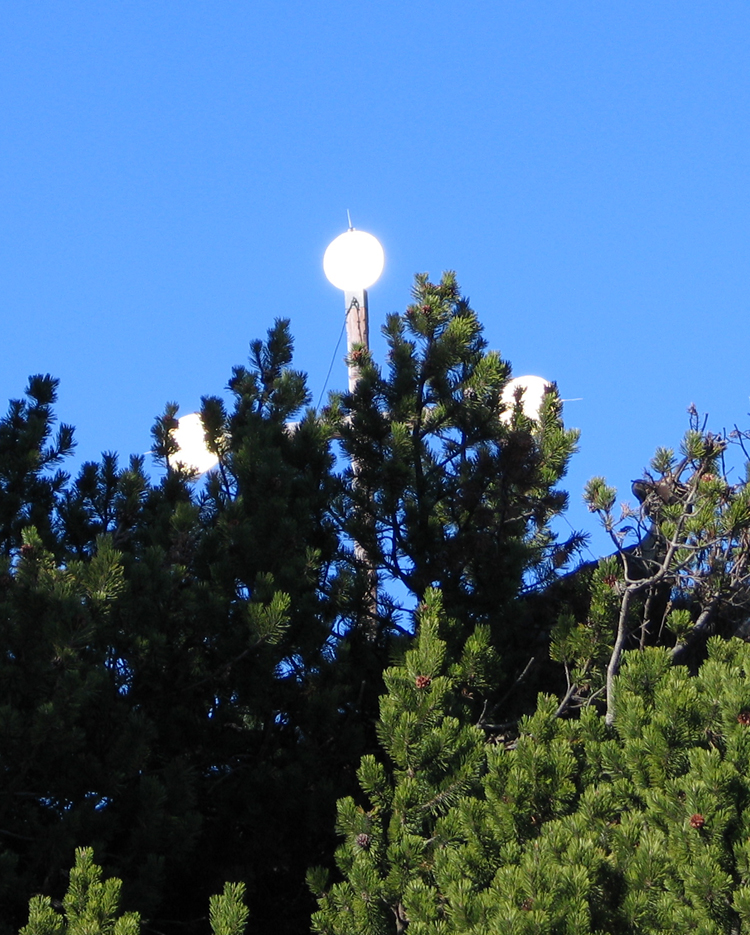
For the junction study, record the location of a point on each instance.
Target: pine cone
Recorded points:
(743, 718)
(363, 839)
(697, 821)
(422, 681)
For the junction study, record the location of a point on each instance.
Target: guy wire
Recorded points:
(333, 360)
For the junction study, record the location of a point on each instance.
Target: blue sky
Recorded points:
(171, 173)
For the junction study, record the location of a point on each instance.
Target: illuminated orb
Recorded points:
(534, 389)
(192, 452)
(354, 261)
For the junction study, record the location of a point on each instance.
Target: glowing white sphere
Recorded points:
(533, 388)
(354, 261)
(192, 452)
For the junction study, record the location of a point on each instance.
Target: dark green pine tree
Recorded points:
(449, 487)
(164, 660)
(29, 451)
(278, 716)
(57, 700)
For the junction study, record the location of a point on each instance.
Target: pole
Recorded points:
(357, 329)
(358, 333)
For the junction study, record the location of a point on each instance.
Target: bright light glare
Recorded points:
(192, 452)
(531, 402)
(354, 261)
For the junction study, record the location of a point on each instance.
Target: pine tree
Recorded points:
(163, 654)
(91, 906)
(432, 759)
(451, 490)
(574, 827)
(29, 488)
(681, 567)
(58, 705)
(646, 823)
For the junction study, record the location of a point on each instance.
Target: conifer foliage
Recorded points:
(91, 907)
(157, 651)
(29, 451)
(621, 807)
(451, 489)
(574, 827)
(360, 606)
(681, 570)
(433, 759)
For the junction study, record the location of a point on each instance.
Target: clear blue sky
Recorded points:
(171, 173)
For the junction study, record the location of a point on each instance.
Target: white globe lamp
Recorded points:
(534, 389)
(354, 261)
(192, 453)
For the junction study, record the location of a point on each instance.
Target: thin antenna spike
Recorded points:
(349, 218)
